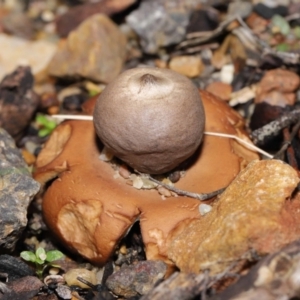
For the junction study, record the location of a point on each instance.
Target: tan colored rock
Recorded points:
(276, 98)
(220, 89)
(253, 214)
(190, 66)
(280, 80)
(16, 51)
(95, 50)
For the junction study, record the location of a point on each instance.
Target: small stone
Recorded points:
(138, 182)
(278, 79)
(276, 98)
(18, 102)
(136, 279)
(190, 66)
(158, 25)
(28, 157)
(175, 176)
(17, 190)
(268, 12)
(96, 50)
(64, 292)
(227, 74)
(164, 192)
(24, 288)
(16, 51)
(239, 8)
(18, 24)
(220, 89)
(71, 277)
(106, 155)
(15, 268)
(204, 209)
(124, 172)
(148, 184)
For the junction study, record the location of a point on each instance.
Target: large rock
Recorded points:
(256, 214)
(95, 50)
(17, 188)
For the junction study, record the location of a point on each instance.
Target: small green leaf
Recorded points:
(54, 255)
(93, 93)
(46, 123)
(39, 261)
(28, 256)
(41, 254)
(44, 132)
(283, 47)
(281, 23)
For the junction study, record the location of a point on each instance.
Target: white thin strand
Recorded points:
(231, 136)
(245, 143)
(72, 117)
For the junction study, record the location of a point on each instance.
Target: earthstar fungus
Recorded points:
(90, 209)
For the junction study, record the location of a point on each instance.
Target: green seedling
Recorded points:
(46, 125)
(41, 258)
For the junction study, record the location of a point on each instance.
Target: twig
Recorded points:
(201, 197)
(245, 143)
(270, 130)
(287, 143)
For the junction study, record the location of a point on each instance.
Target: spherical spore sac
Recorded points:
(152, 119)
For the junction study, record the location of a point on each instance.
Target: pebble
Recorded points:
(164, 192)
(204, 209)
(240, 8)
(227, 74)
(124, 172)
(136, 279)
(106, 155)
(278, 79)
(276, 98)
(158, 25)
(96, 50)
(71, 277)
(220, 89)
(268, 12)
(190, 66)
(15, 51)
(18, 102)
(18, 24)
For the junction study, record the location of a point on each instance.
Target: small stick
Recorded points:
(245, 143)
(201, 197)
(260, 135)
(287, 143)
